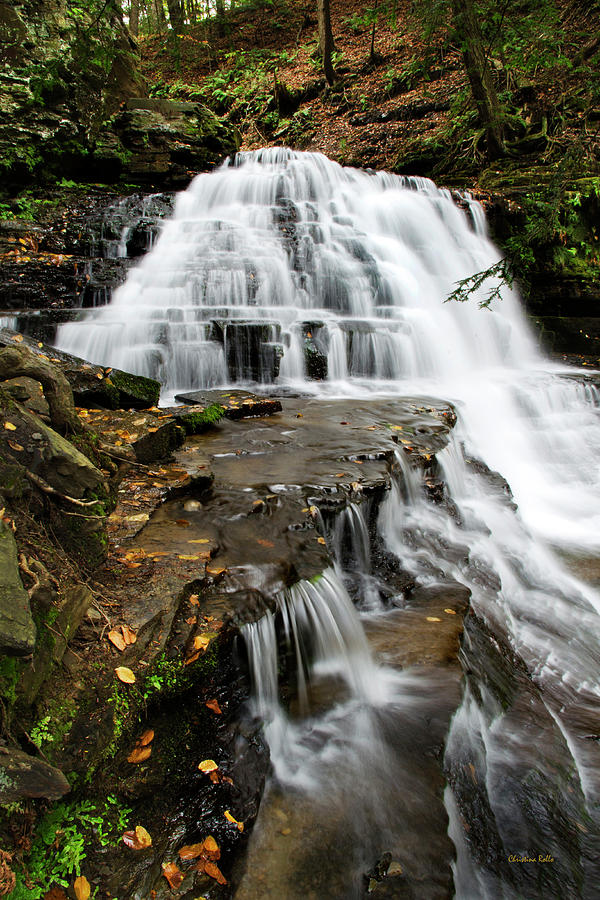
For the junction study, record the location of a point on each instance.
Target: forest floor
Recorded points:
(402, 99)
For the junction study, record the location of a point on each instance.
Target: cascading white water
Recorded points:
(279, 259)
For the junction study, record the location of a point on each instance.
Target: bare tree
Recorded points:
(326, 39)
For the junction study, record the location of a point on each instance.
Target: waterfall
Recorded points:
(283, 269)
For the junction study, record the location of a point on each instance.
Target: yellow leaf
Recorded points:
(15, 446)
(321, 540)
(215, 570)
(81, 887)
(433, 619)
(201, 642)
(451, 612)
(138, 839)
(116, 638)
(125, 675)
(229, 817)
(9, 426)
(18, 338)
(208, 765)
(184, 556)
(200, 541)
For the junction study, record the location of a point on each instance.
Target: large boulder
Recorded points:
(162, 142)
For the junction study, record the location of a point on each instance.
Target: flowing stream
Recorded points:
(286, 271)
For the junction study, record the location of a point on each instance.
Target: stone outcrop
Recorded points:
(64, 77)
(161, 143)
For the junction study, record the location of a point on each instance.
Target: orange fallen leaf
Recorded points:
(208, 765)
(191, 621)
(139, 755)
(213, 705)
(321, 540)
(451, 612)
(230, 818)
(115, 636)
(129, 634)
(139, 839)
(14, 446)
(193, 599)
(173, 875)
(212, 870)
(125, 675)
(18, 338)
(146, 738)
(215, 570)
(191, 851)
(201, 642)
(264, 543)
(82, 889)
(9, 426)
(183, 523)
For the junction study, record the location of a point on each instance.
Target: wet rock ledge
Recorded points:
(128, 673)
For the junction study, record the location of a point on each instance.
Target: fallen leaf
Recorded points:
(125, 675)
(201, 642)
(264, 543)
(18, 338)
(187, 556)
(139, 839)
(193, 599)
(139, 755)
(173, 875)
(146, 738)
(183, 523)
(208, 765)
(451, 612)
(82, 889)
(129, 634)
(215, 570)
(212, 870)
(14, 446)
(9, 426)
(191, 851)
(115, 636)
(321, 540)
(213, 705)
(200, 541)
(55, 893)
(230, 818)
(192, 620)
(433, 619)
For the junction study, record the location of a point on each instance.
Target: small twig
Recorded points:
(48, 489)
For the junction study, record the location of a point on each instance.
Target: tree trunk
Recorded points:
(325, 39)
(134, 17)
(478, 72)
(175, 15)
(161, 20)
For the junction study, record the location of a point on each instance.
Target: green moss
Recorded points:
(10, 673)
(136, 386)
(197, 422)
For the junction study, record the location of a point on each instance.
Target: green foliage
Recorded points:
(63, 839)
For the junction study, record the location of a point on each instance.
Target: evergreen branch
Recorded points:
(501, 270)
